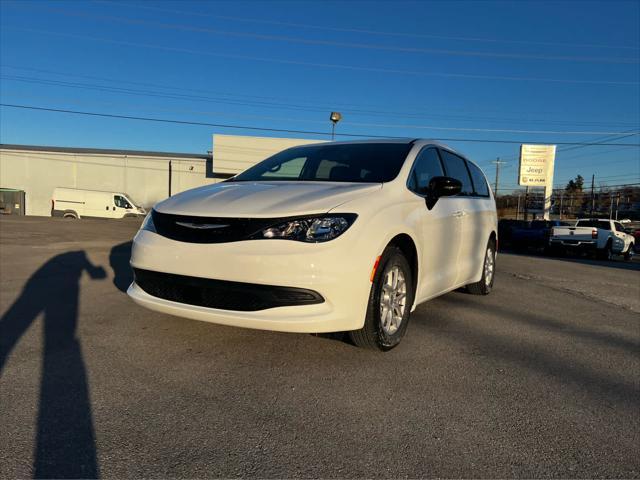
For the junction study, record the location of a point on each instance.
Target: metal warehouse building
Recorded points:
(147, 177)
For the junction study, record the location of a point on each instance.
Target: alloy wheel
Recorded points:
(393, 300)
(489, 267)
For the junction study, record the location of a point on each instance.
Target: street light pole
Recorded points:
(335, 117)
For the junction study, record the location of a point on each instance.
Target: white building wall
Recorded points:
(144, 178)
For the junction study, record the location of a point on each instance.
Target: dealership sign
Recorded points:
(536, 164)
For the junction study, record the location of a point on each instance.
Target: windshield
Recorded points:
(133, 202)
(357, 162)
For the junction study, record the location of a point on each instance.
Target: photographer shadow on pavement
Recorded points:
(119, 260)
(65, 445)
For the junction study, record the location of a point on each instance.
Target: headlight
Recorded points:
(310, 229)
(147, 223)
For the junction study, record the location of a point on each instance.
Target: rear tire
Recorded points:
(606, 253)
(70, 215)
(551, 251)
(484, 286)
(389, 305)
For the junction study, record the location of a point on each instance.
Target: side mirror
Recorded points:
(440, 187)
(445, 186)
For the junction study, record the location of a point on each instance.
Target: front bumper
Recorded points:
(338, 271)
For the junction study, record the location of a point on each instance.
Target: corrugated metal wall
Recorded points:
(144, 178)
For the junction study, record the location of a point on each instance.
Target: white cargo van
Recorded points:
(77, 203)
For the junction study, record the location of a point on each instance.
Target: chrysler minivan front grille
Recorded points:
(221, 294)
(186, 228)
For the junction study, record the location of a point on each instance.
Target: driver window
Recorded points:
(426, 166)
(121, 202)
(289, 169)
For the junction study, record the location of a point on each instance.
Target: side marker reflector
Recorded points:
(375, 267)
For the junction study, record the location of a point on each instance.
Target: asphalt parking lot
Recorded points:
(539, 379)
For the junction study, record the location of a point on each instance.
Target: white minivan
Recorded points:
(341, 236)
(78, 203)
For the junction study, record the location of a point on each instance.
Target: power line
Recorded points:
(358, 124)
(370, 32)
(332, 43)
(270, 100)
(111, 104)
(393, 71)
(629, 133)
(582, 155)
(307, 132)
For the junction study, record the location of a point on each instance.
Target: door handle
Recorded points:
(459, 213)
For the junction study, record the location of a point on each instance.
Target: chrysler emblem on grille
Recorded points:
(202, 226)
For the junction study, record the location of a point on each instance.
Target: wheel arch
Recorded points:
(408, 247)
(493, 237)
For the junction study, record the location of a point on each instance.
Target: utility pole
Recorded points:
(593, 197)
(170, 175)
(560, 210)
(610, 206)
(497, 163)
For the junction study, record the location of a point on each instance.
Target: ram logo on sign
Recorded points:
(536, 164)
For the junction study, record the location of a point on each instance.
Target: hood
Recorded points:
(264, 199)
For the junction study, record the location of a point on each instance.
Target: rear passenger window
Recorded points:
(602, 225)
(455, 167)
(426, 166)
(479, 181)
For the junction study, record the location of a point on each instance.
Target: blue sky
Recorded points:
(456, 70)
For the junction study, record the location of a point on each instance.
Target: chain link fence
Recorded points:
(617, 202)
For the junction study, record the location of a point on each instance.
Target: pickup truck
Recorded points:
(603, 238)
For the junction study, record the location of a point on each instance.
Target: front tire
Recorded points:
(628, 255)
(484, 286)
(389, 304)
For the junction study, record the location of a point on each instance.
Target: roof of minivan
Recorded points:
(424, 141)
(382, 140)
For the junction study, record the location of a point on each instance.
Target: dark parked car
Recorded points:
(636, 235)
(505, 229)
(534, 234)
